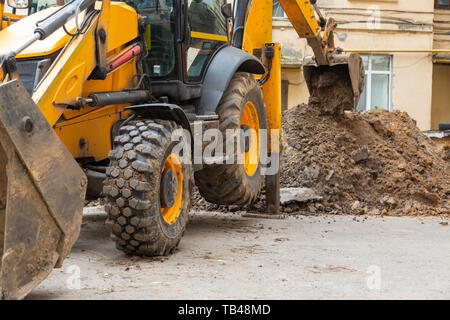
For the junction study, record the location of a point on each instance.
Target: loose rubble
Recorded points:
(290, 195)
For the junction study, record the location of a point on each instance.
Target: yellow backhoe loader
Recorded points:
(91, 93)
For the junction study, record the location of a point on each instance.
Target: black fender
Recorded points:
(163, 111)
(221, 69)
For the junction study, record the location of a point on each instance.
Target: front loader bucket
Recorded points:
(42, 192)
(336, 87)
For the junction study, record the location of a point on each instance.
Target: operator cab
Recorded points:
(182, 36)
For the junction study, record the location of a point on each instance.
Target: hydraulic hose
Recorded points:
(52, 23)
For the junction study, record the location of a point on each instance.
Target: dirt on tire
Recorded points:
(132, 189)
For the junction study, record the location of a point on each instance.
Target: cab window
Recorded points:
(208, 33)
(35, 5)
(41, 5)
(160, 37)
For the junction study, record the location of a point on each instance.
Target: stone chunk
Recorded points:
(289, 195)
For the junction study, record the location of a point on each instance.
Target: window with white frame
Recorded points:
(377, 92)
(278, 11)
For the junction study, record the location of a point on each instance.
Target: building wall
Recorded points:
(440, 111)
(440, 108)
(403, 24)
(441, 29)
(418, 87)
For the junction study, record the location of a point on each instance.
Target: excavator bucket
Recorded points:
(42, 192)
(336, 87)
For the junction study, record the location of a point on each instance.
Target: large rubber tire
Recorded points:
(229, 184)
(132, 187)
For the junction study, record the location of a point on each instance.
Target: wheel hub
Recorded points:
(168, 189)
(246, 140)
(250, 123)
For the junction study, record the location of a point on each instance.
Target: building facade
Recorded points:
(406, 73)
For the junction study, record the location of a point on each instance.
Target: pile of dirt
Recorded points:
(376, 162)
(373, 162)
(446, 153)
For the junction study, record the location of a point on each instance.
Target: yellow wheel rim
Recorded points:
(250, 119)
(171, 214)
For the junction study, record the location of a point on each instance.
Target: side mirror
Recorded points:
(19, 4)
(226, 10)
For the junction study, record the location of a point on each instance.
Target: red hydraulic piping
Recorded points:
(123, 58)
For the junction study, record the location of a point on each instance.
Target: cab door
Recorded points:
(161, 35)
(208, 32)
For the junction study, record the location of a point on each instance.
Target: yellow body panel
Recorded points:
(272, 98)
(94, 124)
(66, 82)
(80, 54)
(89, 136)
(16, 34)
(2, 8)
(301, 15)
(208, 36)
(258, 26)
(87, 132)
(123, 26)
(260, 19)
(8, 19)
(122, 30)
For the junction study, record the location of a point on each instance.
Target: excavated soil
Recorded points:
(331, 90)
(376, 163)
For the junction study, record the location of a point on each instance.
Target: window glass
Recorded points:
(197, 58)
(161, 59)
(208, 33)
(35, 5)
(381, 63)
(442, 4)
(278, 11)
(206, 16)
(377, 83)
(44, 4)
(363, 98)
(365, 60)
(380, 91)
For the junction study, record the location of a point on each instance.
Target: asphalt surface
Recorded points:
(226, 256)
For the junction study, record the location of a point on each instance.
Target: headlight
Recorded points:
(19, 4)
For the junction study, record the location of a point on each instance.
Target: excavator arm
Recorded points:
(335, 80)
(303, 18)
